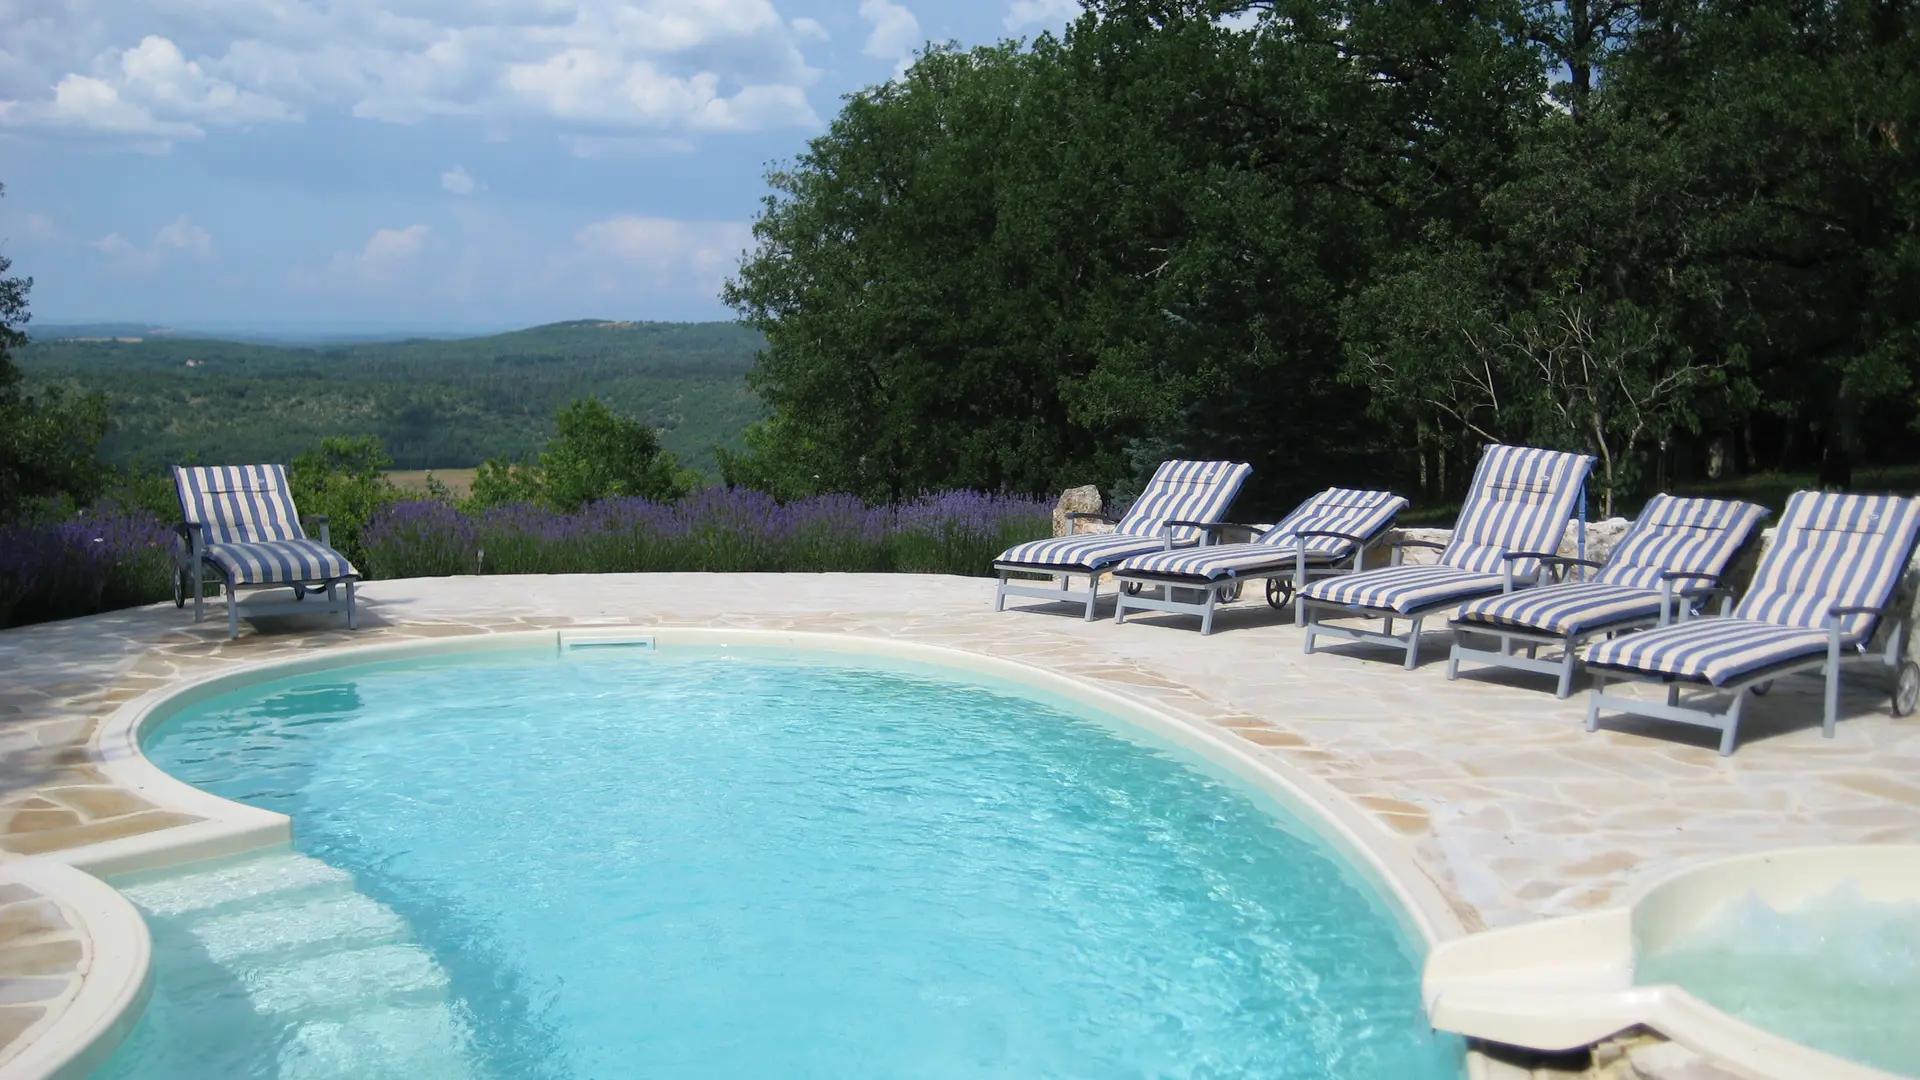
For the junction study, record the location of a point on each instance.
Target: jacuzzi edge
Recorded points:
(227, 827)
(115, 975)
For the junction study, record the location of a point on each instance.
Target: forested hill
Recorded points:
(435, 403)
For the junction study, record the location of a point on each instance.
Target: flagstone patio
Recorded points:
(1490, 783)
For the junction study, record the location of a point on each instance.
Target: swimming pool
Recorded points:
(743, 864)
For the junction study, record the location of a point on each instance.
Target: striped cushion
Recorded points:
(1696, 535)
(1184, 491)
(1831, 551)
(1083, 553)
(1404, 589)
(1342, 510)
(279, 562)
(1520, 500)
(1573, 608)
(1699, 535)
(1713, 651)
(1227, 560)
(239, 504)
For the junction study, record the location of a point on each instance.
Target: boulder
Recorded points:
(1080, 500)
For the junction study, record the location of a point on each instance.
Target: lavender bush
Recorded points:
(97, 560)
(718, 529)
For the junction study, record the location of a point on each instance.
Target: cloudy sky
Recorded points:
(432, 164)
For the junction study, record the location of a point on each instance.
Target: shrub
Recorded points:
(96, 560)
(345, 481)
(718, 529)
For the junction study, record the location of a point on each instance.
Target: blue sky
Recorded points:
(431, 164)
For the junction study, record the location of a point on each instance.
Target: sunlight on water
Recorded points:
(1840, 974)
(648, 866)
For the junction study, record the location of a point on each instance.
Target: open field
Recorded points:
(458, 481)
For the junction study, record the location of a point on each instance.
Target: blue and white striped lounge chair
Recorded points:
(1515, 515)
(1328, 534)
(1670, 560)
(1817, 598)
(1182, 499)
(240, 524)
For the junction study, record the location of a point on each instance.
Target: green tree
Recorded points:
(48, 438)
(500, 482)
(345, 481)
(1018, 267)
(600, 454)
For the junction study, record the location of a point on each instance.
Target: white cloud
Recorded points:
(810, 29)
(389, 252)
(628, 253)
(151, 90)
(896, 33)
(1049, 12)
(459, 181)
(180, 236)
(675, 65)
(184, 235)
(39, 227)
(587, 86)
(387, 256)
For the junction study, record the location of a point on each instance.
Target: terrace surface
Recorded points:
(1489, 783)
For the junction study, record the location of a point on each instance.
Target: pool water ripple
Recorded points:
(709, 866)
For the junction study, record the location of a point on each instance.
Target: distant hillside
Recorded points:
(436, 403)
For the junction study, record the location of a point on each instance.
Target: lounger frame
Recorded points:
(1672, 606)
(1292, 575)
(1727, 720)
(191, 577)
(1410, 641)
(1062, 576)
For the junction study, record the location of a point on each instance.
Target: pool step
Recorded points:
(335, 972)
(418, 1043)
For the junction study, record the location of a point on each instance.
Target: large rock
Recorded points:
(1080, 500)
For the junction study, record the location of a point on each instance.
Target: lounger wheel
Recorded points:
(1279, 592)
(1131, 588)
(1760, 688)
(299, 592)
(180, 587)
(1230, 593)
(1906, 688)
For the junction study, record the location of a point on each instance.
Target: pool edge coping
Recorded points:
(1416, 901)
(114, 974)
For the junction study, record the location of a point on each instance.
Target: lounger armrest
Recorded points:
(1075, 517)
(1549, 557)
(1683, 611)
(1212, 529)
(1404, 542)
(1842, 612)
(1304, 533)
(323, 521)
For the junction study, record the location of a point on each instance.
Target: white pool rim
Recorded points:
(227, 828)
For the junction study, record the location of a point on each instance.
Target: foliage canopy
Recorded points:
(1350, 241)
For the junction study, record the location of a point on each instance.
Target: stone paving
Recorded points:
(41, 960)
(1489, 782)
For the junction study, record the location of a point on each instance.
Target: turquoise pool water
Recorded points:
(624, 864)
